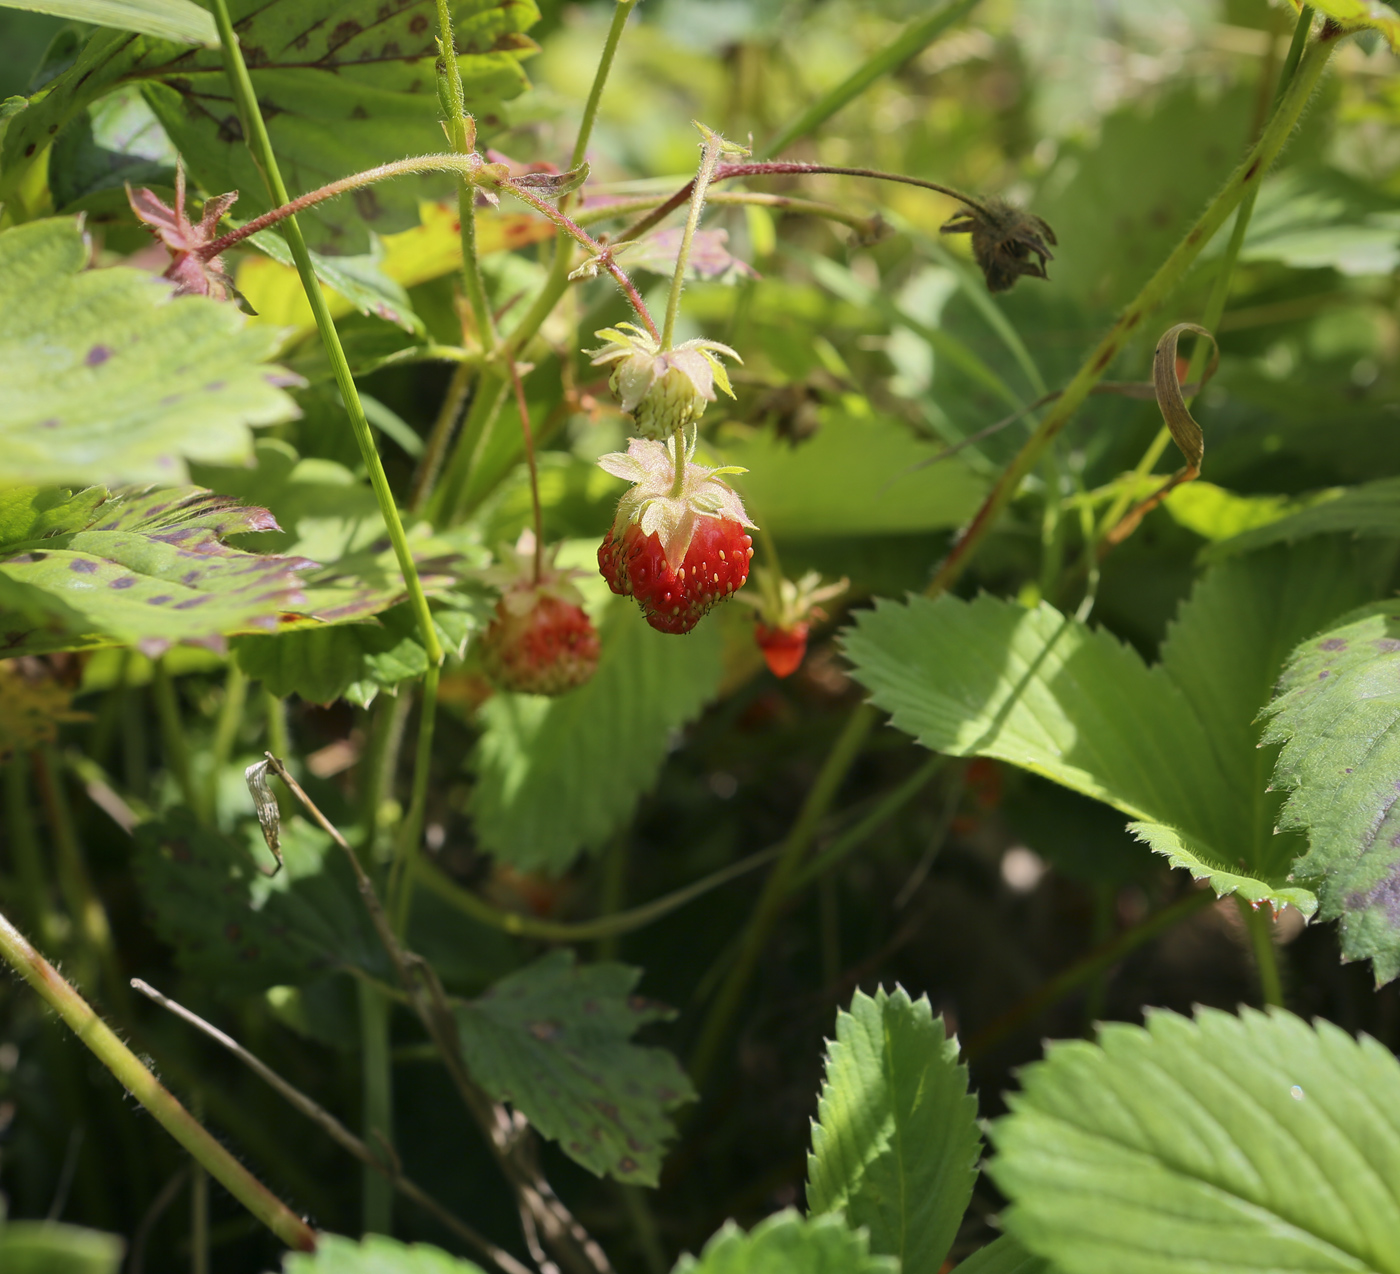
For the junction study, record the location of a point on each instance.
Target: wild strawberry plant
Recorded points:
(386, 440)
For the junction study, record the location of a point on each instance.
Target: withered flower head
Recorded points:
(1007, 241)
(191, 269)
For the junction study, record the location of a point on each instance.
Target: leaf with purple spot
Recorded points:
(1337, 714)
(106, 377)
(554, 1040)
(142, 567)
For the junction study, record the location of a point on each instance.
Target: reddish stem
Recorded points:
(604, 254)
(529, 437)
(783, 168)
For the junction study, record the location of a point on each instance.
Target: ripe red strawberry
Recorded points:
(678, 547)
(538, 643)
(783, 648)
(786, 609)
(715, 565)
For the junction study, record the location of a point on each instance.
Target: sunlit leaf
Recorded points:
(103, 374)
(1173, 746)
(180, 20)
(1210, 1146)
(147, 568)
(787, 1242)
(343, 87)
(1360, 15)
(1372, 509)
(1004, 1256)
(554, 1040)
(895, 1142)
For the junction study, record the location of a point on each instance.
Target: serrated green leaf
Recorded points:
(374, 1254)
(857, 476)
(102, 372)
(895, 1142)
(1173, 746)
(238, 928)
(46, 1247)
(556, 776)
(1003, 1256)
(165, 19)
(554, 1040)
(343, 87)
(1360, 15)
(784, 1244)
(1209, 1146)
(1336, 715)
(148, 568)
(1369, 510)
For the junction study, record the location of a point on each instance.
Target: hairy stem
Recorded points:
(409, 837)
(1246, 177)
(225, 734)
(172, 735)
(142, 1085)
(720, 1020)
(709, 157)
(1261, 940)
(377, 1093)
(621, 12)
(524, 409)
(260, 145)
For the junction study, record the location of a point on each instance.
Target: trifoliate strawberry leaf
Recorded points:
(343, 86)
(1209, 1146)
(1336, 714)
(105, 377)
(237, 927)
(374, 1254)
(895, 1143)
(556, 776)
(146, 568)
(554, 1040)
(1371, 509)
(787, 1242)
(1174, 746)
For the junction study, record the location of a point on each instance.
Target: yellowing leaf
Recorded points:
(428, 251)
(1361, 15)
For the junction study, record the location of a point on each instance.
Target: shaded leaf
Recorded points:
(32, 707)
(147, 568)
(239, 929)
(709, 258)
(785, 1243)
(895, 1142)
(1336, 714)
(856, 476)
(180, 20)
(117, 142)
(556, 776)
(1210, 1146)
(46, 1247)
(1313, 218)
(554, 1040)
(1004, 1256)
(1173, 746)
(102, 373)
(342, 87)
(374, 1254)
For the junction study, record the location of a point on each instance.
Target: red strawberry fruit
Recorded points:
(715, 565)
(783, 648)
(786, 609)
(678, 544)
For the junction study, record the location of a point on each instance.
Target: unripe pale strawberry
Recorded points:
(662, 390)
